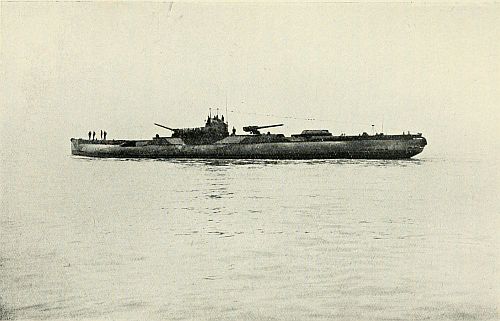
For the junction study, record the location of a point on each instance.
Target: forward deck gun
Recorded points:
(255, 129)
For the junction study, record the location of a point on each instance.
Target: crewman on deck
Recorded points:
(90, 134)
(234, 131)
(105, 135)
(101, 134)
(93, 135)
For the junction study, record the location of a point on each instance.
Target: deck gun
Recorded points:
(255, 129)
(172, 129)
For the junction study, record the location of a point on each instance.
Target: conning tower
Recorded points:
(214, 130)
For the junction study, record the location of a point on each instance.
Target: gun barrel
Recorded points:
(269, 126)
(159, 125)
(255, 129)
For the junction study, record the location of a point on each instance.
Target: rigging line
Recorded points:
(301, 118)
(320, 120)
(270, 115)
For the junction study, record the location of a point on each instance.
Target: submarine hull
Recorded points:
(394, 147)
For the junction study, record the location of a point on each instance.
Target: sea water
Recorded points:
(84, 238)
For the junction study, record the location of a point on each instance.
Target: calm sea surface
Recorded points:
(88, 238)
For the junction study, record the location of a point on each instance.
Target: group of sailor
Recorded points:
(92, 135)
(216, 117)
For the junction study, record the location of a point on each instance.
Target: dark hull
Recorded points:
(390, 148)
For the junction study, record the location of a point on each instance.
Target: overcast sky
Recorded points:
(68, 68)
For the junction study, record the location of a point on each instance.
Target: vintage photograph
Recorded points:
(249, 160)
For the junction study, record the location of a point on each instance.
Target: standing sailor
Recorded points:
(90, 134)
(101, 134)
(93, 135)
(105, 135)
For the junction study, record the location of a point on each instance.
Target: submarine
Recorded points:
(213, 141)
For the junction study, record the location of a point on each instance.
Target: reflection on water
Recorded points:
(263, 162)
(250, 239)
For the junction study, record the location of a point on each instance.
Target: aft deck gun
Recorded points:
(255, 129)
(172, 129)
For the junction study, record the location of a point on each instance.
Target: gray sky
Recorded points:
(68, 68)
